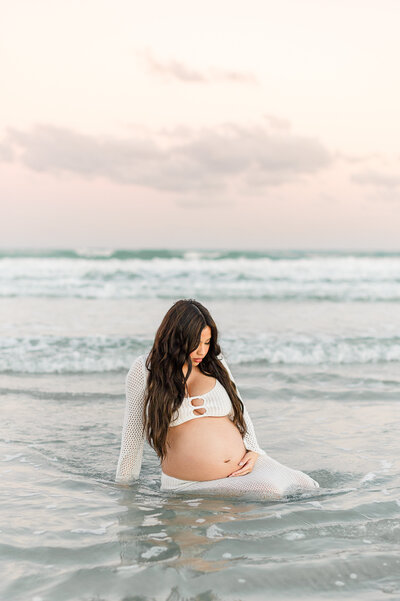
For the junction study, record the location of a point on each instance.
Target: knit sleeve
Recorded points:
(250, 438)
(132, 441)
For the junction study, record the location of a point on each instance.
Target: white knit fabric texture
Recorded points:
(132, 440)
(131, 453)
(268, 480)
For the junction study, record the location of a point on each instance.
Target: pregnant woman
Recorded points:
(183, 399)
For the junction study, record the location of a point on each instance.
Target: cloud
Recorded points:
(372, 177)
(357, 158)
(181, 160)
(177, 70)
(277, 122)
(6, 153)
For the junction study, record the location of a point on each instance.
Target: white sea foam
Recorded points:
(153, 552)
(214, 531)
(90, 354)
(368, 477)
(89, 531)
(350, 278)
(294, 535)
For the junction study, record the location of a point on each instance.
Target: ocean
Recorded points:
(313, 340)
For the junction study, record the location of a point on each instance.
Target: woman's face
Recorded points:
(202, 350)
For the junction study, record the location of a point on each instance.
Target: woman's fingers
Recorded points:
(246, 469)
(248, 461)
(241, 473)
(246, 457)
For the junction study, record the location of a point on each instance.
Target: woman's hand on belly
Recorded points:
(247, 464)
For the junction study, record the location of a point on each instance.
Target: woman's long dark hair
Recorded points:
(179, 335)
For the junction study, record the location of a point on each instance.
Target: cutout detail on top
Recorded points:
(192, 402)
(195, 403)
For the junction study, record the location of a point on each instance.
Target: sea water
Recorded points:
(313, 340)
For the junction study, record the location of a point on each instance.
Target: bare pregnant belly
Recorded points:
(203, 449)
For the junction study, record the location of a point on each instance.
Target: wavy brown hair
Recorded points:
(179, 335)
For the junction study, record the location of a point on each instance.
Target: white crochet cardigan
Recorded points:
(132, 441)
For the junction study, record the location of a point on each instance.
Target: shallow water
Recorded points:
(321, 381)
(70, 532)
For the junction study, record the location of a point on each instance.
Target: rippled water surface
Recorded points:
(317, 361)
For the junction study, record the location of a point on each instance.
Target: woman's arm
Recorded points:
(250, 438)
(130, 457)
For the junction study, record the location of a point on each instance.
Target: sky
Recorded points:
(179, 124)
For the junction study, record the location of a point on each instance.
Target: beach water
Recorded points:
(313, 340)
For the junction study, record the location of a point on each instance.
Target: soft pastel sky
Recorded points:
(180, 124)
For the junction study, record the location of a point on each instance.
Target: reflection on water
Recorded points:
(177, 529)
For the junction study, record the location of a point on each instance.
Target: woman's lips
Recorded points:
(197, 360)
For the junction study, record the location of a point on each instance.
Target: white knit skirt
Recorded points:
(269, 479)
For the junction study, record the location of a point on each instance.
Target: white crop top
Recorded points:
(216, 402)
